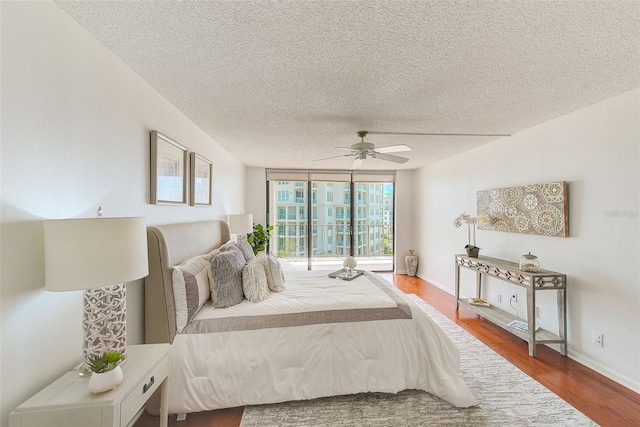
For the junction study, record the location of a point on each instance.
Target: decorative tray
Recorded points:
(343, 275)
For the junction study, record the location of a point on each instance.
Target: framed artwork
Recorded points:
(201, 180)
(169, 164)
(541, 209)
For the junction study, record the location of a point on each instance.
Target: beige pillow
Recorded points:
(254, 281)
(273, 270)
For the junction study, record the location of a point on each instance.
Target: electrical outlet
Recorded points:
(514, 297)
(597, 338)
(537, 312)
(499, 297)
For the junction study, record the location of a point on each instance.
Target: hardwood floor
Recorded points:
(601, 399)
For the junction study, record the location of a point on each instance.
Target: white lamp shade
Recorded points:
(94, 252)
(241, 223)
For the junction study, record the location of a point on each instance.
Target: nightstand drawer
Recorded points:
(143, 390)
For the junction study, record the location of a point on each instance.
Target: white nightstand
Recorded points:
(68, 401)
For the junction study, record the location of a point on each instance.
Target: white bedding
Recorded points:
(332, 353)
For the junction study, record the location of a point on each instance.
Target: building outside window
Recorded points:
(331, 219)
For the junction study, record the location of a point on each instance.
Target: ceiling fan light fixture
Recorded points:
(363, 146)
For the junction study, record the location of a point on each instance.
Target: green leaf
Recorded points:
(259, 238)
(106, 362)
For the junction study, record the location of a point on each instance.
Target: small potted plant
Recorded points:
(107, 373)
(472, 249)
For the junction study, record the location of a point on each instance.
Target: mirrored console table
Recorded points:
(543, 280)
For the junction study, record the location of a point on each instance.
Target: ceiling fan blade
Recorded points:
(333, 157)
(393, 148)
(437, 134)
(390, 158)
(344, 148)
(357, 162)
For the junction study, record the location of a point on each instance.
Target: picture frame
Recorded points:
(169, 171)
(201, 180)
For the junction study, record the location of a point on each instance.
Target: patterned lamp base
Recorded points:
(103, 322)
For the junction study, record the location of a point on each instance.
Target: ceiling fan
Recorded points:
(361, 150)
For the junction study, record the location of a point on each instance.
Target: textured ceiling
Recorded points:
(279, 84)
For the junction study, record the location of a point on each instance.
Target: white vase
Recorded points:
(100, 382)
(411, 261)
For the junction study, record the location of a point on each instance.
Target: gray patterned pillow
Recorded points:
(246, 250)
(225, 278)
(229, 246)
(190, 288)
(254, 281)
(242, 246)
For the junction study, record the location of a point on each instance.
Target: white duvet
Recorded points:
(275, 364)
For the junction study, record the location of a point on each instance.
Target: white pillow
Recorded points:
(273, 270)
(190, 288)
(254, 281)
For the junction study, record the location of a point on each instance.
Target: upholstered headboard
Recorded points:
(169, 245)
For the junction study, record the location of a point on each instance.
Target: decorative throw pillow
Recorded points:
(225, 278)
(244, 247)
(246, 250)
(229, 246)
(274, 272)
(254, 281)
(190, 288)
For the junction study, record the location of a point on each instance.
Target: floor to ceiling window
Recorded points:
(321, 217)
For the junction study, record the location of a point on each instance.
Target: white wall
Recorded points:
(256, 195)
(597, 151)
(404, 219)
(75, 135)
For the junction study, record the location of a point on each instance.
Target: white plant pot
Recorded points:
(106, 380)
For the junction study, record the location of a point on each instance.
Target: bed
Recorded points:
(318, 337)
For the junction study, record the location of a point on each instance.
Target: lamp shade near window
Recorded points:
(241, 223)
(97, 255)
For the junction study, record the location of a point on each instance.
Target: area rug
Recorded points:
(506, 397)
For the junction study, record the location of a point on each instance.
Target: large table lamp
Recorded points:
(241, 224)
(97, 255)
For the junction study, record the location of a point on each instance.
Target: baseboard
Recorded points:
(578, 357)
(436, 284)
(603, 370)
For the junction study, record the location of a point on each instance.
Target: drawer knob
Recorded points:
(146, 387)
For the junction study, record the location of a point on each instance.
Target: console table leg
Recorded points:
(457, 280)
(562, 320)
(531, 319)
